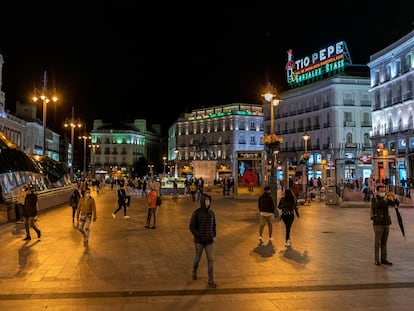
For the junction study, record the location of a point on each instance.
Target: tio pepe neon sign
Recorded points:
(328, 60)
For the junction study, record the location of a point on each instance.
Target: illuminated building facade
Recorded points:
(117, 147)
(330, 103)
(215, 133)
(391, 88)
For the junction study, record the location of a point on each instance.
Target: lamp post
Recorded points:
(323, 171)
(164, 159)
(305, 138)
(72, 124)
(93, 146)
(43, 95)
(270, 95)
(151, 171)
(85, 137)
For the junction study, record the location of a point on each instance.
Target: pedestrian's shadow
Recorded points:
(265, 250)
(294, 255)
(25, 253)
(18, 229)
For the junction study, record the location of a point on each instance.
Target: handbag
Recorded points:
(159, 201)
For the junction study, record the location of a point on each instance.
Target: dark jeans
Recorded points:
(288, 220)
(30, 223)
(152, 213)
(208, 248)
(73, 212)
(380, 243)
(120, 205)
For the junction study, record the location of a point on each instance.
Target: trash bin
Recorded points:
(331, 198)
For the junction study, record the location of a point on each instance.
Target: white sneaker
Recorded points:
(113, 216)
(270, 239)
(287, 243)
(126, 216)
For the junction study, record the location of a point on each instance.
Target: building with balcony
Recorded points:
(336, 115)
(117, 148)
(391, 89)
(215, 133)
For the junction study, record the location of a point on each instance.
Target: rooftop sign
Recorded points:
(326, 62)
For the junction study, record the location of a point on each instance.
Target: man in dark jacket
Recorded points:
(267, 210)
(381, 221)
(30, 212)
(203, 228)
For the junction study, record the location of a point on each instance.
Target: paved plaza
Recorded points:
(330, 265)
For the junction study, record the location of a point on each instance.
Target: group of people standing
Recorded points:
(379, 214)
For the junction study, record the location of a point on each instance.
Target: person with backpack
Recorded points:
(73, 202)
(30, 212)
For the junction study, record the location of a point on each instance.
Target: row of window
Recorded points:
(211, 127)
(393, 69)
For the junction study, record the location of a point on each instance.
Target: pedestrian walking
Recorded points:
(144, 188)
(30, 212)
(381, 221)
(73, 202)
(203, 227)
(19, 208)
(152, 209)
(289, 207)
(128, 192)
(85, 214)
(267, 210)
(193, 190)
(122, 202)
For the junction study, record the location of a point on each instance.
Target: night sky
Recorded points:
(154, 62)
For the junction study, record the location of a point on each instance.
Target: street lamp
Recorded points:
(72, 124)
(323, 170)
(151, 170)
(93, 146)
(270, 95)
(43, 95)
(305, 138)
(164, 158)
(85, 137)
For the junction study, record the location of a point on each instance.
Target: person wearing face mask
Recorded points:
(203, 227)
(85, 214)
(381, 221)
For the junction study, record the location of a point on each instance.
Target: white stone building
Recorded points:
(391, 87)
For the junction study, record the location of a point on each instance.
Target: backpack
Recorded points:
(73, 200)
